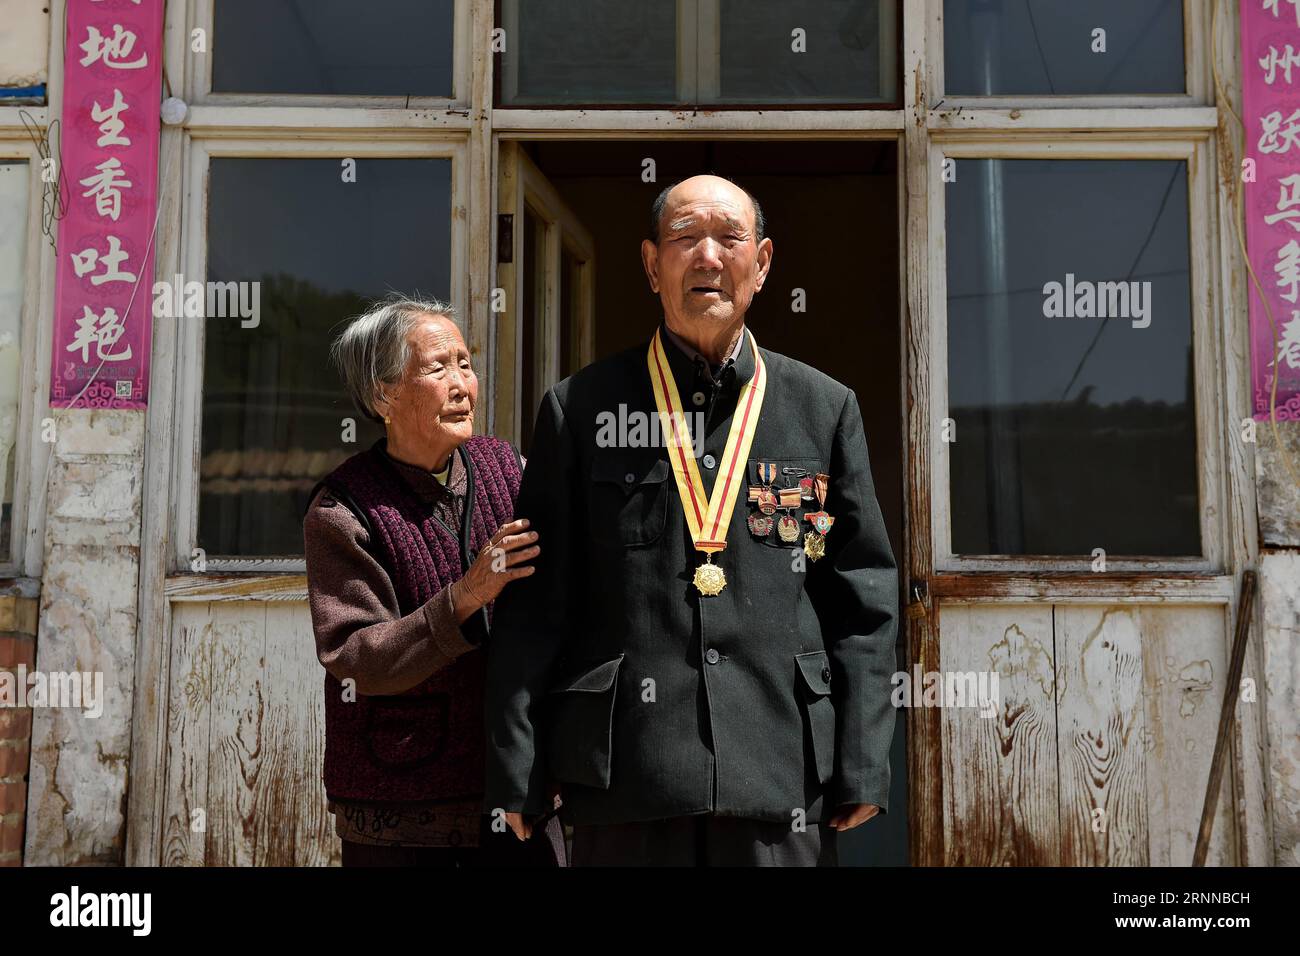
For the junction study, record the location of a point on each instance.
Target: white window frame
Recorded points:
(1197, 71)
(1195, 152)
(31, 456)
(190, 337)
(200, 16)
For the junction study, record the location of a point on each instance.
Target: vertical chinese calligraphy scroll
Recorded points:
(111, 91)
(1270, 55)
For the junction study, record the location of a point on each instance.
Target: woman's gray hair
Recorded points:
(372, 352)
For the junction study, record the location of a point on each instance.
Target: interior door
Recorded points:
(546, 274)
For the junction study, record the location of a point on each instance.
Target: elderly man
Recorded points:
(702, 659)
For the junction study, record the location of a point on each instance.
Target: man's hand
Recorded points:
(847, 817)
(523, 829)
(516, 822)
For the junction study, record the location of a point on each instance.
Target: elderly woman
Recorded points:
(407, 545)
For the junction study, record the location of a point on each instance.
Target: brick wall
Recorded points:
(17, 646)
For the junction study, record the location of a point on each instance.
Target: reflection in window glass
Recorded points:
(320, 250)
(381, 47)
(839, 55)
(13, 247)
(589, 51)
(1074, 431)
(1052, 47)
(684, 52)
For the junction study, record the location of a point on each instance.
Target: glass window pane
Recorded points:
(13, 257)
(1072, 399)
(1050, 47)
(383, 47)
(319, 250)
(589, 51)
(836, 58)
(685, 52)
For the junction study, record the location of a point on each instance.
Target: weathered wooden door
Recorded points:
(1070, 550)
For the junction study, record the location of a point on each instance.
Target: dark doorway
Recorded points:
(831, 209)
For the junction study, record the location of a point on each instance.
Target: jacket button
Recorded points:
(712, 655)
(710, 462)
(629, 478)
(826, 674)
(698, 398)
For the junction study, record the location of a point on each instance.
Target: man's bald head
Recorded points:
(661, 203)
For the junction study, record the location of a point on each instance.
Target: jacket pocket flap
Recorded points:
(597, 680)
(816, 669)
(628, 473)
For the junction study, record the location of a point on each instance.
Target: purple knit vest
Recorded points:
(428, 742)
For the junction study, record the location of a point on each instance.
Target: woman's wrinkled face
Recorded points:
(433, 408)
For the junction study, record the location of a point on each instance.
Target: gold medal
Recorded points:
(707, 516)
(709, 578)
(814, 545)
(788, 529)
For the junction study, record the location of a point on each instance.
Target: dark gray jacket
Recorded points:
(610, 673)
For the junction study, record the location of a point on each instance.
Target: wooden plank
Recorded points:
(477, 89)
(1185, 662)
(506, 325)
(235, 587)
(1253, 823)
(294, 828)
(1086, 588)
(924, 727)
(185, 788)
(757, 124)
(147, 798)
(1000, 773)
(238, 717)
(1172, 116)
(1100, 732)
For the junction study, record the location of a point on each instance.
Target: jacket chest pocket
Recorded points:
(628, 502)
(788, 473)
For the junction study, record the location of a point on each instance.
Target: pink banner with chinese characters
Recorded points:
(112, 86)
(1270, 54)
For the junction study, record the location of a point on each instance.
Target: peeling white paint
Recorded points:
(1280, 595)
(76, 800)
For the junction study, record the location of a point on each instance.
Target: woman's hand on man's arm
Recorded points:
(501, 561)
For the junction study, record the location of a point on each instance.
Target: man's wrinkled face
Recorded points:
(708, 263)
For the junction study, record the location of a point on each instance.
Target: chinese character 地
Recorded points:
(112, 50)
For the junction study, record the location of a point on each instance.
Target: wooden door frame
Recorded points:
(520, 183)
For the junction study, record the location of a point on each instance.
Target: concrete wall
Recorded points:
(24, 43)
